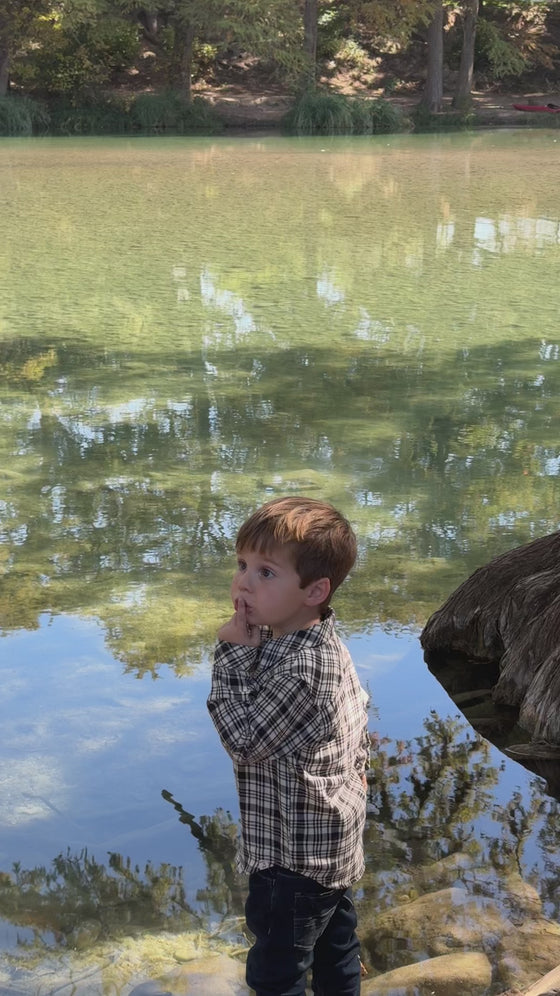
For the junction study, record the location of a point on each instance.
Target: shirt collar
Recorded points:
(290, 643)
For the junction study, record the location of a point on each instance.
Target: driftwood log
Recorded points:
(548, 985)
(503, 626)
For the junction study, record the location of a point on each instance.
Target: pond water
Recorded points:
(189, 327)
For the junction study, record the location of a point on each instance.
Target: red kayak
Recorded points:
(547, 108)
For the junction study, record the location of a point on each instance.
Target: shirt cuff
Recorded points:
(235, 655)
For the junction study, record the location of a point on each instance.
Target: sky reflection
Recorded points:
(88, 748)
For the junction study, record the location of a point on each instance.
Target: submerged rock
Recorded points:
(443, 873)
(149, 989)
(453, 939)
(214, 976)
(151, 964)
(464, 973)
(434, 924)
(533, 949)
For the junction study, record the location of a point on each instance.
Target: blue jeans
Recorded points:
(300, 925)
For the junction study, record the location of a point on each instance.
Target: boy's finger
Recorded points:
(242, 617)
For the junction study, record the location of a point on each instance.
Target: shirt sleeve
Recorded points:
(261, 721)
(363, 755)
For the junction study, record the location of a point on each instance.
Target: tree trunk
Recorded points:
(508, 613)
(183, 52)
(463, 93)
(432, 97)
(149, 21)
(310, 19)
(4, 70)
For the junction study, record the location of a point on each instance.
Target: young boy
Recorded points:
(290, 712)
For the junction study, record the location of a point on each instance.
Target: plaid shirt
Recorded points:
(291, 714)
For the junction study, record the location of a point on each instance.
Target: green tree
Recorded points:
(269, 29)
(77, 49)
(17, 23)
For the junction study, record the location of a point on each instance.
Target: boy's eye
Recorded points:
(266, 572)
(241, 565)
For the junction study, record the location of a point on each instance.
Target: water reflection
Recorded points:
(134, 503)
(216, 836)
(432, 812)
(188, 328)
(469, 683)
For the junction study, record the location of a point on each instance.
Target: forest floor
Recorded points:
(243, 107)
(246, 97)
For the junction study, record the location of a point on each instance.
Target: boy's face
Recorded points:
(269, 585)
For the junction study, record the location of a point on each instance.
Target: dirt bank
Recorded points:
(245, 108)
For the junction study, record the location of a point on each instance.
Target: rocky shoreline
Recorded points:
(480, 934)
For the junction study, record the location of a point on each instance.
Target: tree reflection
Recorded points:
(216, 836)
(548, 844)
(434, 799)
(127, 509)
(430, 798)
(78, 901)
(428, 794)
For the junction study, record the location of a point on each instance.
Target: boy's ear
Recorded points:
(318, 591)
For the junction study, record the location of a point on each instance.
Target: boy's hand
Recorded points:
(239, 630)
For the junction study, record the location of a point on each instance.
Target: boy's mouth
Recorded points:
(248, 608)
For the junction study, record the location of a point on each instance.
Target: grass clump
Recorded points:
(169, 111)
(22, 116)
(424, 120)
(321, 112)
(105, 116)
(375, 117)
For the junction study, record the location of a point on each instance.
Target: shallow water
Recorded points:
(187, 328)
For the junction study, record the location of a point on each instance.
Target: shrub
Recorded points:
(169, 111)
(495, 51)
(423, 120)
(332, 25)
(104, 116)
(352, 54)
(373, 117)
(319, 112)
(22, 116)
(204, 59)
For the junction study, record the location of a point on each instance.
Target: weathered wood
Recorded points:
(543, 759)
(549, 983)
(507, 615)
(469, 621)
(539, 712)
(527, 600)
(531, 641)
